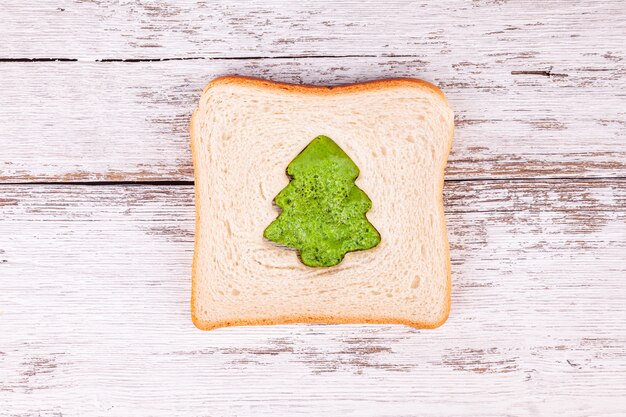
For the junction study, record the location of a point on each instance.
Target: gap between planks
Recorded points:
(197, 58)
(167, 183)
(537, 72)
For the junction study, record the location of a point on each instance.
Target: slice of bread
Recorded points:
(245, 132)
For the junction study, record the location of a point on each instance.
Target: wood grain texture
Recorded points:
(537, 86)
(94, 314)
(129, 121)
(533, 32)
(95, 280)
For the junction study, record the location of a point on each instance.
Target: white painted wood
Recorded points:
(94, 281)
(526, 31)
(94, 314)
(129, 121)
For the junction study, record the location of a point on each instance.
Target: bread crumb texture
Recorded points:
(244, 131)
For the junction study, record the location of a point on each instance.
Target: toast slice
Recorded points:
(245, 132)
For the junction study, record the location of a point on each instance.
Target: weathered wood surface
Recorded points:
(129, 121)
(94, 314)
(94, 280)
(537, 86)
(528, 32)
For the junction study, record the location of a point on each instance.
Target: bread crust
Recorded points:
(320, 91)
(323, 90)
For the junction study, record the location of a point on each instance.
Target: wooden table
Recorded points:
(96, 210)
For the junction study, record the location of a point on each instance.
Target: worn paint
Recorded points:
(536, 318)
(94, 280)
(511, 129)
(532, 83)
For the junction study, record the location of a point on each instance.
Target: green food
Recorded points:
(323, 213)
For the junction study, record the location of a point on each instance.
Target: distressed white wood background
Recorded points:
(96, 210)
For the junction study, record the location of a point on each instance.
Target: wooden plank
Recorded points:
(541, 31)
(129, 121)
(94, 314)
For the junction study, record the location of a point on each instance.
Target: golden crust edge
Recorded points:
(295, 319)
(320, 90)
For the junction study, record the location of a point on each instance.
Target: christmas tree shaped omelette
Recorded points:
(323, 213)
